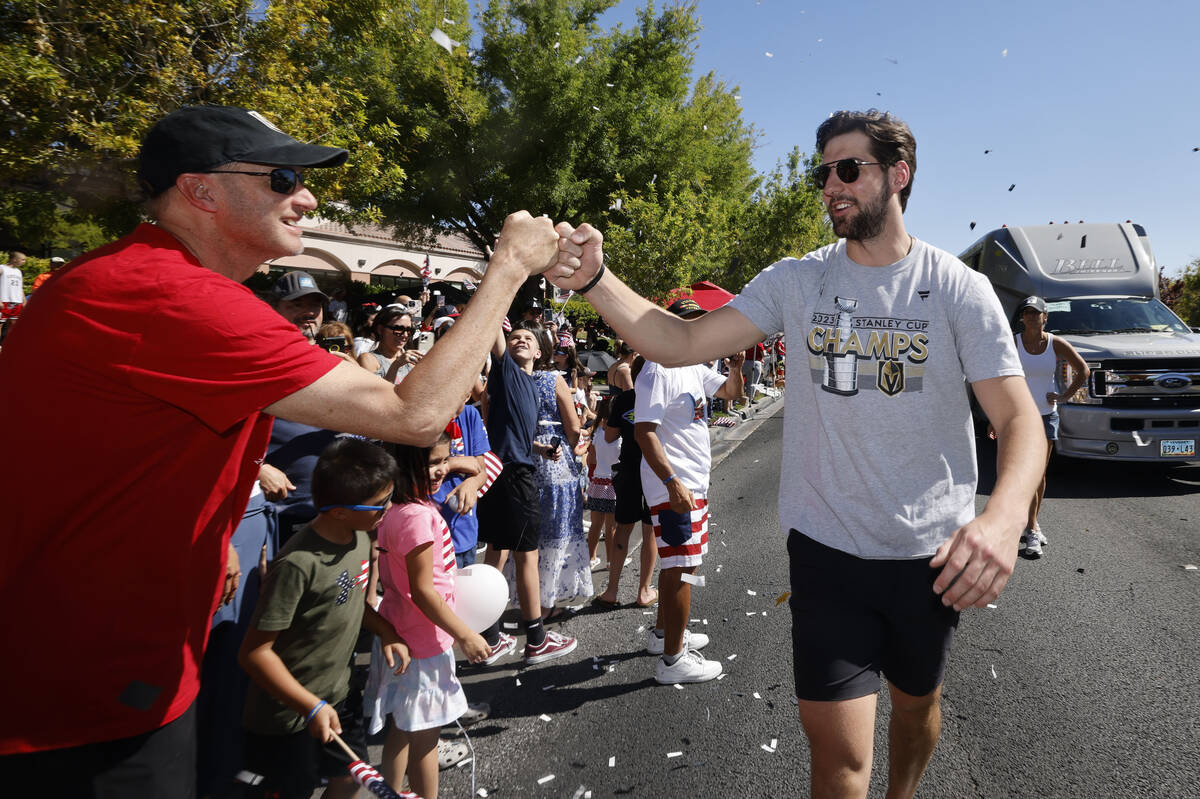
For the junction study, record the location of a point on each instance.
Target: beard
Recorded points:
(867, 223)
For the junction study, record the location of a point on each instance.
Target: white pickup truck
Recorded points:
(1100, 283)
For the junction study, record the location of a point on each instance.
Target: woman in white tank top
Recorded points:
(1040, 353)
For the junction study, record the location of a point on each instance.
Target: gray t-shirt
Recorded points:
(879, 457)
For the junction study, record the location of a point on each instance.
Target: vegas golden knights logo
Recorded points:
(891, 377)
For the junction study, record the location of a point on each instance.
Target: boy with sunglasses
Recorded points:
(302, 636)
(877, 485)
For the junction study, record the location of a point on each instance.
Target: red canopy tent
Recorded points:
(708, 295)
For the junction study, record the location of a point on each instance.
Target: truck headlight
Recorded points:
(1083, 395)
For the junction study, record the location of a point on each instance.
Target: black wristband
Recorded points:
(591, 284)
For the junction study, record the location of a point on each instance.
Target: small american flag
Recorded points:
(373, 781)
(426, 272)
(493, 466)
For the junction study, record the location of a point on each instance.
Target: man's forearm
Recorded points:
(444, 377)
(658, 335)
(1020, 461)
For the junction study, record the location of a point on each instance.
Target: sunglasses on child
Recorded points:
(387, 501)
(847, 170)
(283, 179)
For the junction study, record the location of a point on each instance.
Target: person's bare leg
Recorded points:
(395, 757)
(674, 603)
(594, 531)
(423, 762)
(616, 561)
(1035, 506)
(609, 523)
(528, 584)
(646, 593)
(495, 557)
(841, 739)
(912, 735)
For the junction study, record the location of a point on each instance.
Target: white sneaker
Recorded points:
(691, 667)
(1033, 547)
(691, 641)
(1041, 538)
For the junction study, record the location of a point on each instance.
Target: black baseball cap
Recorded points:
(685, 306)
(198, 138)
(1036, 303)
(294, 285)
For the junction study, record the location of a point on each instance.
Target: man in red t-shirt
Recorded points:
(155, 408)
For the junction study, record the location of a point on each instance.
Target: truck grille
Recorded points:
(1157, 387)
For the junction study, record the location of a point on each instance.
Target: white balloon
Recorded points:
(480, 596)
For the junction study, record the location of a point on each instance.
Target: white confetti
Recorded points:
(721, 677)
(757, 695)
(751, 593)
(578, 58)
(482, 792)
(704, 622)
(439, 36)
(610, 85)
(992, 605)
(544, 717)
(1190, 567)
(547, 688)
(616, 206)
(694, 579)
(770, 54)
(774, 743)
(994, 677)
(752, 613)
(595, 108)
(612, 762)
(1004, 53)
(641, 629)
(556, 45)
(545, 779)
(680, 687)
(674, 754)
(518, 682)
(766, 748)
(627, 560)
(579, 792)
(464, 762)
(732, 657)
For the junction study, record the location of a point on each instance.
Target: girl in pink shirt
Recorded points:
(416, 565)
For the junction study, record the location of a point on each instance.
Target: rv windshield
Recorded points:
(1095, 315)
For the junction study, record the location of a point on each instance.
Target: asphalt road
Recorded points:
(1084, 681)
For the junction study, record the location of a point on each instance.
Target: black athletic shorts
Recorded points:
(291, 766)
(510, 513)
(853, 618)
(631, 502)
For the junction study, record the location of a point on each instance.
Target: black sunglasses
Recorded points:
(847, 170)
(283, 179)
(398, 329)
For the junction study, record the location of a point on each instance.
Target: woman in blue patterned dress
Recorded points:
(563, 563)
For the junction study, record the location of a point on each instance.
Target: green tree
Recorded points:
(1186, 291)
(81, 83)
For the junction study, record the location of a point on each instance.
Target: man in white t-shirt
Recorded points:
(672, 430)
(879, 472)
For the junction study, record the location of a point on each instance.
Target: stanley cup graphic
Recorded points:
(841, 371)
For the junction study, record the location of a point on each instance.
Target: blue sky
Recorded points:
(1092, 113)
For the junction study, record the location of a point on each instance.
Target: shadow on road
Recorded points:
(1083, 479)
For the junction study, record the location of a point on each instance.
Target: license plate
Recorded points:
(1177, 448)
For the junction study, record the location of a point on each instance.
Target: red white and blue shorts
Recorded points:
(682, 538)
(10, 310)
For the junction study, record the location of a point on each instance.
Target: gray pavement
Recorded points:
(1081, 682)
